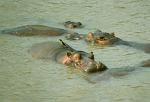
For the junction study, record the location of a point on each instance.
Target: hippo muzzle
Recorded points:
(95, 67)
(90, 66)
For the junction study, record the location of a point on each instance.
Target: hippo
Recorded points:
(64, 54)
(96, 38)
(74, 36)
(71, 25)
(100, 38)
(33, 30)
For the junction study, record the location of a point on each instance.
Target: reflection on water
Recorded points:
(24, 79)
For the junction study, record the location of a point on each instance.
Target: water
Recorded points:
(24, 79)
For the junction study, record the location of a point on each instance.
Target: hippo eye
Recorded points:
(74, 25)
(101, 37)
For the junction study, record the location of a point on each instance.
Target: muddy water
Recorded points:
(24, 79)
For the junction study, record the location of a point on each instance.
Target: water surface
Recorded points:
(24, 79)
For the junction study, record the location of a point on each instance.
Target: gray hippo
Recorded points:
(71, 25)
(64, 54)
(116, 72)
(33, 30)
(100, 38)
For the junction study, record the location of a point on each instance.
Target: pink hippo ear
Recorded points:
(67, 59)
(90, 36)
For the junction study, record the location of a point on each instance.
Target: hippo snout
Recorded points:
(95, 67)
(101, 67)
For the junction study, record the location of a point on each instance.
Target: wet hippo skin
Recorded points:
(32, 30)
(64, 54)
(99, 38)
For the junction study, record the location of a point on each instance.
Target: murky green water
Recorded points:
(24, 79)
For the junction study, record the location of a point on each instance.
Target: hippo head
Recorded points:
(81, 60)
(84, 61)
(73, 36)
(71, 25)
(101, 38)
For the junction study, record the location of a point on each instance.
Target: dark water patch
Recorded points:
(136, 87)
(119, 7)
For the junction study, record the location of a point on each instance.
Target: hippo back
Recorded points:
(64, 54)
(46, 50)
(32, 30)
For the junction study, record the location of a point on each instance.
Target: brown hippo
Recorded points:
(64, 54)
(33, 30)
(71, 25)
(100, 38)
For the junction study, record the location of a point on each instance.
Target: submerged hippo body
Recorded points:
(64, 54)
(32, 30)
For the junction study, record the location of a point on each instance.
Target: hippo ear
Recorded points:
(69, 54)
(90, 36)
(113, 34)
(80, 23)
(91, 55)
